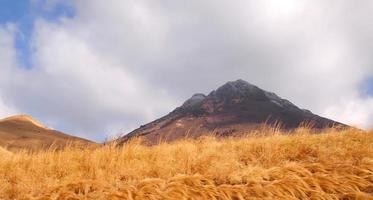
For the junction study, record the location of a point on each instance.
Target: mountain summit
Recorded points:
(24, 119)
(233, 109)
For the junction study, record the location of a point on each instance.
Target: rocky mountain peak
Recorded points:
(233, 109)
(233, 93)
(237, 89)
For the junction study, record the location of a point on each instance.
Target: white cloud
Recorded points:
(86, 91)
(6, 110)
(8, 59)
(356, 112)
(121, 63)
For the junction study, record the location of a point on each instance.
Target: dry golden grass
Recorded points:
(331, 165)
(4, 152)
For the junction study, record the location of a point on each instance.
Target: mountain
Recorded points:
(23, 132)
(233, 109)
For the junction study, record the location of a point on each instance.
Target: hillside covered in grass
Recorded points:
(334, 164)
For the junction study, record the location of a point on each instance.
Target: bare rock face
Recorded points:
(233, 109)
(194, 101)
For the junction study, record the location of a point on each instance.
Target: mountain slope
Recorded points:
(233, 109)
(24, 132)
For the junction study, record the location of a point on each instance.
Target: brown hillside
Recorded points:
(23, 132)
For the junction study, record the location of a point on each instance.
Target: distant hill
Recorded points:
(233, 109)
(23, 132)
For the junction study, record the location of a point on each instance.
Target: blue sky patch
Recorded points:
(23, 14)
(11, 10)
(368, 86)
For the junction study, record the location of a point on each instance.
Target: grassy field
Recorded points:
(330, 165)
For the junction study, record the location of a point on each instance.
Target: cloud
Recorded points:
(113, 66)
(356, 111)
(91, 94)
(8, 60)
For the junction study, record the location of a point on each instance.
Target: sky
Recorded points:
(98, 69)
